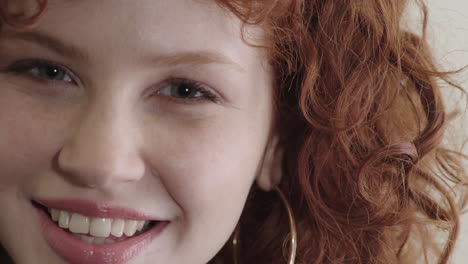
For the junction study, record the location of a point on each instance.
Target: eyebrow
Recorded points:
(169, 60)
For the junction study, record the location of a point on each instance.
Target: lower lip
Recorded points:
(77, 251)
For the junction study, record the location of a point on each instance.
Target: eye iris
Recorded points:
(51, 72)
(183, 91)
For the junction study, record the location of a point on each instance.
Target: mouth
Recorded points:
(96, 230)
(86, 232)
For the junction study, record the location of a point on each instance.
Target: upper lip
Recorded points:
(97, 209)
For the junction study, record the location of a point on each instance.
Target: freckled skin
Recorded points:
(109, 136)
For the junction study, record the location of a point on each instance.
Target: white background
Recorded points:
(448, 35)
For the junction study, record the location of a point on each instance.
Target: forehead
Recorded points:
(145, 25)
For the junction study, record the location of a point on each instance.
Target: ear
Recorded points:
(21, 8)
(270, 172)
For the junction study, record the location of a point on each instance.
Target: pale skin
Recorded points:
(110, 129)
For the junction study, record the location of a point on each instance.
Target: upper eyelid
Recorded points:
(208, 92)
(28, 64)
(197, 85)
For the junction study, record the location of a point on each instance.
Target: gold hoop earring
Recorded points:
(292, 227)
(235, 245)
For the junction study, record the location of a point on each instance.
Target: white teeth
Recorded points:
(87, 238)
(117, 227)
(96, 230)
(100, 227)
(96, 240)
(130, 227)
(140, 225)
(79, 224)
(55, 214)
(99, 240)
(109, 241)
(64, 219)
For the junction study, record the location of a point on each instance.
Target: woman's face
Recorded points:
(116, 110)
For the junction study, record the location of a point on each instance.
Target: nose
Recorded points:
(103, 149)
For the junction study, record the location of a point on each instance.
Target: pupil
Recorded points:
(52, 72)
(184, 91)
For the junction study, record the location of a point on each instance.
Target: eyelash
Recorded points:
(25, 67)
(198, 87)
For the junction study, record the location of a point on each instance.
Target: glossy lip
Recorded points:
(94, 209)
(77, 251)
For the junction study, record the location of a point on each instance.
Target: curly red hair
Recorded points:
(360, 121)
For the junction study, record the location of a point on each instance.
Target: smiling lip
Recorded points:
(77, 251)
(93, 209)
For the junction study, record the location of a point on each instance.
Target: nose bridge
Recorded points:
(103, 148)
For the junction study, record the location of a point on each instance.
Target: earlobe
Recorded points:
(270, 172)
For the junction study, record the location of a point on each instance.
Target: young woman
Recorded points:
(183, 131)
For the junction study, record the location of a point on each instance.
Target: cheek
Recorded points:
(208, 169)
(219, 159)
(209, 166)
(26, 139)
